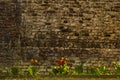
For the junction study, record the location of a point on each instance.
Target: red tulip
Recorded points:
(70, 65)
(62, 62)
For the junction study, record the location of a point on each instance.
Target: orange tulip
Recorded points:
(66, 59)
(99, 66)
(62, 58)
(35, 61)
(108, 69)
(32, 60)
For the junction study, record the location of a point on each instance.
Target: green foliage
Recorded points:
(102, 70)
(63, 69)
(97, 71)
(90, 70)
(15, 70)
(78, 69)
(54, 71)
(32, 70)
(116, 68)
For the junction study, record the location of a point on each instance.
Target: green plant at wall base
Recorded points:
(116, 67)
(78, 69)
(63, 67)
(15, 70)
(100, 70)
(32, 70)
(91, 70)
(103, 70)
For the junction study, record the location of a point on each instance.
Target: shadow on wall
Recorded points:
(10, 20)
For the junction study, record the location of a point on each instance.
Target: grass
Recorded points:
(58, 78)
(61, 79)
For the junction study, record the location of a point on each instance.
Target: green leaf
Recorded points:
(79, 69)
(32, 70)
(54, 71)
(15, 70)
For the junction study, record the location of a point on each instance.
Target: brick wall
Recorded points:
(9, 29)
(86, 31)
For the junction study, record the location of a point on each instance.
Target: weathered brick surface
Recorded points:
(8, 29)
(86, 31)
